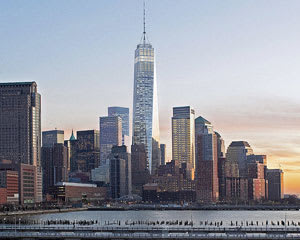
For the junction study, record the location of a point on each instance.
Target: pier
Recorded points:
(135, 233)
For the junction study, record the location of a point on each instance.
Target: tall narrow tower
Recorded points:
(145, 106)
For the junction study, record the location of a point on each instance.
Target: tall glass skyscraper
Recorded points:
(123, 113)
(145, 129)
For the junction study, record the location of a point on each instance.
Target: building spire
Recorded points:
(144, 33)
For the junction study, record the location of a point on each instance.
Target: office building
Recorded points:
(117, 172)
(85, 151)
(163, 153)
(139, 170)
(257, 158)
(183, 139)
(120, 152)
(123, 113)
(20, 127)
(110, 135)
(207, 182)
(49, 138)
(145, 120)
(236, 159)
(221, 145)
(237, 190)
(101, 174)
(275, 184)
(55, 165)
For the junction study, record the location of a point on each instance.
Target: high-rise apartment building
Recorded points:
(110, 135)
(183, 139)
(145, 131)
(49, 138)
(123, 113)
(20, 128)
(207, 183)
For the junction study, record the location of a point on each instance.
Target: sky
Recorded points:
(235, 62)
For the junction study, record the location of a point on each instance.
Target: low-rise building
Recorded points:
(67, 192)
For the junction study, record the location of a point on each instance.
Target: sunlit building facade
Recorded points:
(145, 106)
(183, 139)
(123, 113)
(207, 184)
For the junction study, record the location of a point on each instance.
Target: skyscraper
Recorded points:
(20, 127)
(110, 135)
(275, 184)
(55, 165)
(120, 152)
(49, 138)
(85, 152)
(123, 113)
(145, 131)
(183, 138)
(207, 184)
(236, 159)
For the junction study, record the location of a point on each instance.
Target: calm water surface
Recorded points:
(105, 217)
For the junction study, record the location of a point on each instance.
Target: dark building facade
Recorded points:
(55, 165)
(275, 184)
(117, 172)
(120, 152)
(49, 138)
(20, 127)
(85, 151)
(139, 171)
(163, 153)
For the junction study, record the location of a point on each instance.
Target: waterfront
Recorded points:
(167, 218)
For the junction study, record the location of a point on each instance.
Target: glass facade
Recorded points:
(123, 113)
(145, 105)
(183, 138)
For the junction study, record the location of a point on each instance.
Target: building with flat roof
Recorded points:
(275, 184)
(123, 113)
(20, 138)
(67, 192)
(49, 138)
(110, 135)
(183, 138)
(207, 182)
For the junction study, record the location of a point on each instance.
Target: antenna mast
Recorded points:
(144, 33)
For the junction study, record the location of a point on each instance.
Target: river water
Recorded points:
(199, 218)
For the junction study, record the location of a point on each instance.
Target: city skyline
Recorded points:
(249, 88)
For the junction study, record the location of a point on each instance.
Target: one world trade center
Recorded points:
(145, 105)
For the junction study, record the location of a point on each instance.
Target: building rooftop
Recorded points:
(75, 184)
(202, 120)
(17, 83)
(239, 144)
(72, 138)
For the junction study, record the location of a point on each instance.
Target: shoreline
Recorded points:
(198, 208)
(35, 212)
